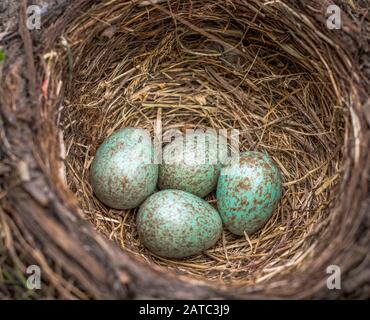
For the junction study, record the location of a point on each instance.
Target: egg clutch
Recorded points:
(176, 222)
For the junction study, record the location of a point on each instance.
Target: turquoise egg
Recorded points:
(177, 224)
(248, 192)
(122, 174)
(190, 163)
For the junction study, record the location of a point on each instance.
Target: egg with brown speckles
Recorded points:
(191, 164)
(248, 192)
(122, 174)
(177, 224)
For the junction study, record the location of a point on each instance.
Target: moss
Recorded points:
(2, 55)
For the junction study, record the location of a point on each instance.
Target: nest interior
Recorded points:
(208, 64)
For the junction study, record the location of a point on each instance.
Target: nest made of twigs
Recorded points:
(262, 67)
(224, 71)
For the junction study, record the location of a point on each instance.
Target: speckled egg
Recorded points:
(177, 224)
(248, 192)
(190, 163)
(122, 174)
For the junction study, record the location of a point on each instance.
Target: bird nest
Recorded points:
(269, 69)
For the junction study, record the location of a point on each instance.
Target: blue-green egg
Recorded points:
(191, 164)
(122, 174)
(248, 192)
(177, 224)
